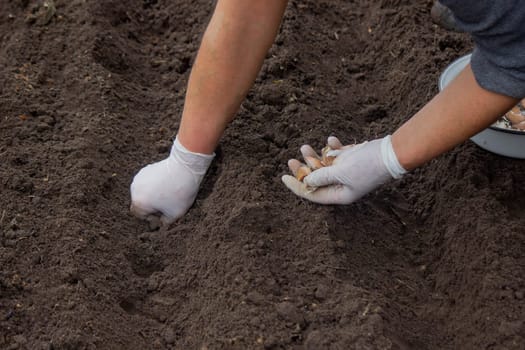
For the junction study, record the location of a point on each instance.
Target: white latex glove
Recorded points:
(356, 171)
(169, 187)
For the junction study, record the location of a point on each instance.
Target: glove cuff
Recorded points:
(390, 159)
(197, 163)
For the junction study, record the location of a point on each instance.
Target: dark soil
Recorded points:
(94, 92)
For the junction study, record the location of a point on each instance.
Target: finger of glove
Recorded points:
(322, 177)
(294, 166)
(308, 151)
(324, 195)
(345, 149)
(334, 143)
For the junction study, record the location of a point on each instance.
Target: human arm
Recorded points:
(458, 112)
(484, 91)
(231, 53)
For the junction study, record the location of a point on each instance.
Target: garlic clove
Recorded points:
(327, 160)
(313, 162)
(519, 126)
(302, 172)
(515, 116)
(308, 151)
(325, 150)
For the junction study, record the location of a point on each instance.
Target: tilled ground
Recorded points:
(92, 92)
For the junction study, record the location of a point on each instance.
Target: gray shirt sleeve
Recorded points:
(498, 30)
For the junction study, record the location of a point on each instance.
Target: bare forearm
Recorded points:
(231, 54)
(457, 113)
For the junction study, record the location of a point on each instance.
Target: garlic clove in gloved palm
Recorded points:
(302, 172)
(327, 160)
(313, 163)
(515, 115)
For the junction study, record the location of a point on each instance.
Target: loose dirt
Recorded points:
(91, 93)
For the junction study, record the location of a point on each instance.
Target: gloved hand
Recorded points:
(169, 187)
(356, 171)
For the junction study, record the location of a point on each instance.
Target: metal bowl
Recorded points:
(502, 141)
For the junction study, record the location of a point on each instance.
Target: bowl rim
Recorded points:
(441, 87)
(510, 131)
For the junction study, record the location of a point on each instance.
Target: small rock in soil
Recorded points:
(289, 312)
(255, 321)
(154, 222)
(169, 335)
(314, 341)
(153, 284)
(42, 127)
(511, 328)
(20, 339)
(271, 343)
(13, 224)
(321, 292)
(157, 344)
(255, 298)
